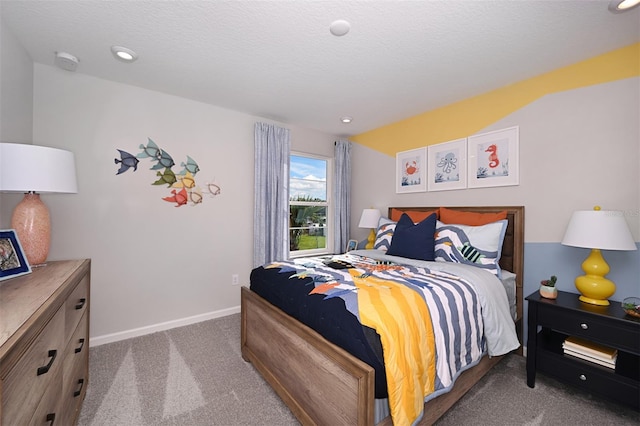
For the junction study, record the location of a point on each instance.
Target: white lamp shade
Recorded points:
(25, 168)
(599, 229)
(369, 218)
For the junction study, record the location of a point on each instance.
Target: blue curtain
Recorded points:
(271, 192)
(342, 195)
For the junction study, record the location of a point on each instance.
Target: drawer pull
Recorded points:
(583, 377)
(42, 370)
(51, 417)
(81, 304)
(79, 349)
(584, 326)
(79, 391)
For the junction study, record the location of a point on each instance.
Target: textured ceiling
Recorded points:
(278, 59)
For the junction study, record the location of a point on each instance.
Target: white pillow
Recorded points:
(479, 246)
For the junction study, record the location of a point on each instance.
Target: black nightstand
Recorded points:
(550, 321)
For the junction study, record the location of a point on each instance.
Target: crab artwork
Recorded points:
(411, 167)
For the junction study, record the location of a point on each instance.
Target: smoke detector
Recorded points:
(66, 61)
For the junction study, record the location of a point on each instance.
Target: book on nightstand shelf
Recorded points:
(590, 351)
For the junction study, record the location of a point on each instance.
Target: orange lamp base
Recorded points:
(33, 226)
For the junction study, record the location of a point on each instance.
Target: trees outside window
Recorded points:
(309, 205)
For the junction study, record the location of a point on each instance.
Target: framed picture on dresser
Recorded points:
(13, 262)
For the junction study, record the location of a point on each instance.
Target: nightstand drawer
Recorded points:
(592, 378)
(622, 334)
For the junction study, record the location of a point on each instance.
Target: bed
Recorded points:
(321, 382)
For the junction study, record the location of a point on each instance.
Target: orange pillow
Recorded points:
(470, 218)
(416, 216)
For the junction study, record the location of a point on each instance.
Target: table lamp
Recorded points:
(369, 219)
(598, 230)
(35, 169)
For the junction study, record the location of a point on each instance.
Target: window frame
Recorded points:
(328, 204)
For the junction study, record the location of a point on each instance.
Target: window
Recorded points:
(309, 205)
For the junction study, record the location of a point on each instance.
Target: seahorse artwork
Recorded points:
(493, 155)
(186, 189)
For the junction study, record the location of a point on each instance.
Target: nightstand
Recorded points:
(550, 321)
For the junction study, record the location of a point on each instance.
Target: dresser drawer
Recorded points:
(49, 411)
(76, 305)
(75, 371)
(624, 335)
(27, 381)
(594, 379)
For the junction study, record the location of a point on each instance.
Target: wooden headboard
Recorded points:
(512, 258)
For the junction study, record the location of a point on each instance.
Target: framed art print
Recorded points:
(352, 245)
(12, 260)
(411, 171)
(493, 158)
(447, 165)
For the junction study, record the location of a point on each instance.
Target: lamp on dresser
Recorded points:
(597, 230)
(34, 169)
(369, 219)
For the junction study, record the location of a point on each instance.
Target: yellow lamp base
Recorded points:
(593, 286)
(371, 240)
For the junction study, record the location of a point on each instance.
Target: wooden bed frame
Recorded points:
(324, 384)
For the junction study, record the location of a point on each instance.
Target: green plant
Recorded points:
(550, 282)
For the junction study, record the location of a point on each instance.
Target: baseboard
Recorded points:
(154, 328)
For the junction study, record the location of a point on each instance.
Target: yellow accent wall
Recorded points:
(469, 116)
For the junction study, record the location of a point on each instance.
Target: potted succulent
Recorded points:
(548, 288)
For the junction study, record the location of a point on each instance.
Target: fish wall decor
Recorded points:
(186, 191)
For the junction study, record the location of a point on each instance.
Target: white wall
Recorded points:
(578, 149)
(16, 90)
(152, 262)
(16, 102)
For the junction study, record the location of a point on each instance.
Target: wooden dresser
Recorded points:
(44, 344)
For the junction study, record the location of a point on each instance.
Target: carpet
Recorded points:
(195, 375)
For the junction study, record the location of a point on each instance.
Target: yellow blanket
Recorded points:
(402, 319)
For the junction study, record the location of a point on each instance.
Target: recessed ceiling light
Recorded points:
(619, 6)
(124, 54)
(339, 28)
(346, 120)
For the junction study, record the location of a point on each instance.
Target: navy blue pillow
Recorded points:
(414, 241)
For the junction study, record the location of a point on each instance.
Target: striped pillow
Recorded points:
(479, 246)
(384, 234)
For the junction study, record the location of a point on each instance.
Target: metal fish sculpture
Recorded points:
(195, 195)
(150, 151)
(164, 160)
(190, 167)
(180, 198)
(126, 161)
(167, 178)
(213, 189)
(186, 181)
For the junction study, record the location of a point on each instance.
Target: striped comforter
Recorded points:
(430, 321)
